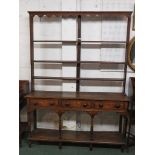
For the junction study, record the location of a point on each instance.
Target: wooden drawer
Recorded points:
(81, 104)
(44, 102)
(70, 104)
(77, 104)
(111, 105)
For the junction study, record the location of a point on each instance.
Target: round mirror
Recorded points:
(131, 54)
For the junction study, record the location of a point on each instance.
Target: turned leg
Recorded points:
(125, 126)
(122, 148)
(20, 141)
(129, 130)
(60, 130)
(60, 145)
(29, 143)
(125, 147)
(120, 124)
(126, 120)
(29, 126)
(91, 132)
(91, 147)
(35, 118)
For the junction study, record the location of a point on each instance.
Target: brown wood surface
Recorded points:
(82, 13)
(89, 102)
(78, 53)
(99, 137)
(76, 78)
(31, 50)
(63, 105)
(79, 95)
(69, 61)
(57, 41)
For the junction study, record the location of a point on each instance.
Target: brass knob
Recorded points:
(52, 103)
(101, 105)
(117, 105)
(85, 105)
(67, 104)
(35, 104)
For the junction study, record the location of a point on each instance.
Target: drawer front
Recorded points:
(81, 104)
(111, 105)
(78, 104)
(44, 102)
(70, 104)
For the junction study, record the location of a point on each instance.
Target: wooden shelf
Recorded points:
(81, 13)
(113, 138)
(82, 41)
(57, 41)
(104, 42)
(55, 78)
(82, 78)
(103, 62)
(103, 79)
(68, 61)
(55, 61)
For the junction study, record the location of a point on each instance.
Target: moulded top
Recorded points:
(79, 95)
(80, 13)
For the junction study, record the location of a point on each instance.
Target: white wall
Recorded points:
(66, 29)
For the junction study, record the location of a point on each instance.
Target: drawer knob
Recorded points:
(117, 105)
(85, 105)
(52, 103)
(67, 104)
(35, 104)
(101, 105)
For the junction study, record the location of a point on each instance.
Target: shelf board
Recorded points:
(68, 61)
(103, 62)
(57, 41)
(104, 42)
(82, 41)
(81, 13)
(55, 78)
(82, 78)
(54, 61)
(103, 79)
(48, 135)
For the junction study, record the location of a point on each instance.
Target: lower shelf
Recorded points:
(99, 137)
